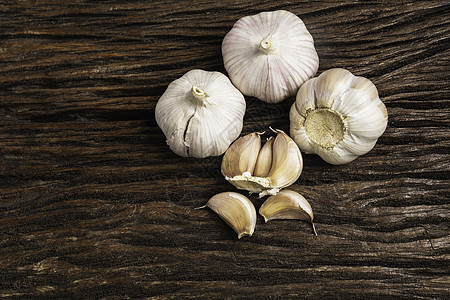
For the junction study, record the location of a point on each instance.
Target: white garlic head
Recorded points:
(201, 114)
(338, 116)
(264, 170)
(269, 55)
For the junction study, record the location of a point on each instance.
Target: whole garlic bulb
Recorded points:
(201, 114)
(269, 55)
(338, 116)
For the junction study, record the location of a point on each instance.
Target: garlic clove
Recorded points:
(236, 210)
(338, 116)
(285, 205)
(240, 158)
(331, 86)
(298, 112)
(264, 161)
(307, 94)
(200, 113)
(171, 119)
(269, 55)
(287, 163)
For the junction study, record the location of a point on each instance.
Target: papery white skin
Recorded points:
(355, 99)
(200, 127)
(275, 73)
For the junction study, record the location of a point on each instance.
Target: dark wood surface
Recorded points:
(94, 205)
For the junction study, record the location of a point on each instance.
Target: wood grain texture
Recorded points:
(93, 204)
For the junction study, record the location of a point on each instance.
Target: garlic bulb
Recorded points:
(287, 205)
(265, 170)
(236, 210)
(200, 113)
(269, 55)
(338, 116)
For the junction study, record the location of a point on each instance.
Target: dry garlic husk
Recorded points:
(269, 55)
(338, 116)
(200, 113)
(236, 210)
(287, 204)
(265, 170)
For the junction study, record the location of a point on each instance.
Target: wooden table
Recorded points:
(94, 205)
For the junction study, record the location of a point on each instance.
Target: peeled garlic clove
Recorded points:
(236, 210)
(338, 116)
(200, 113)
(269, 55)
(285, 165)
(240, 158)
(264, 161)
(287, 204)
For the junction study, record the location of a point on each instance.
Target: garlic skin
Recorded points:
(265, 170)
(236, 210)
(200, 113)
(269, 55)
(287, 205)
(338, 116)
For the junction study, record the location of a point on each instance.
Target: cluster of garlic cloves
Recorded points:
(264, 170)
(269, 55)
(201, 114)
(338, 116)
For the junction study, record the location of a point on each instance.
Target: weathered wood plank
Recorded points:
(93, 204)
